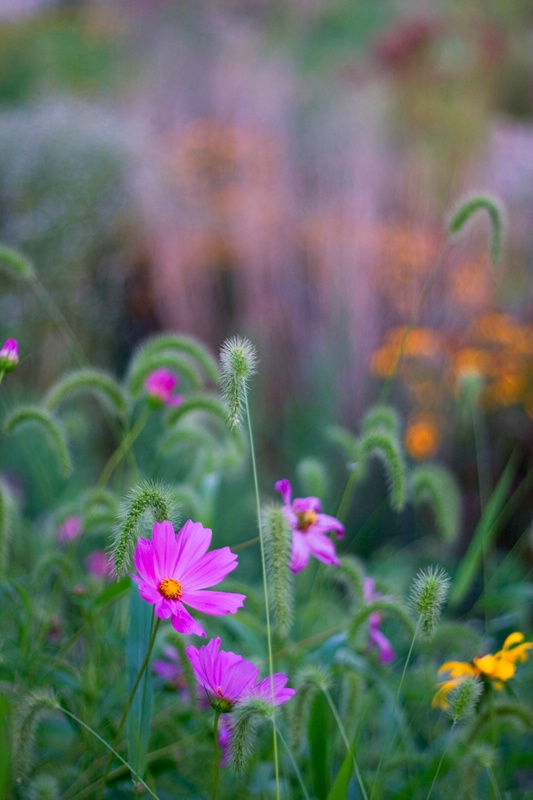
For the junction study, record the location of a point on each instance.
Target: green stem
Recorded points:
(111, 749)
(346, 742)
(441, 760)
(122, 449)
(293, 762)
(265, 590)
(128, 705)
(216, 773)
(391, 718)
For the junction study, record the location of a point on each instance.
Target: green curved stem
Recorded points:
(346, 742)
(122, 449)
(111, 749)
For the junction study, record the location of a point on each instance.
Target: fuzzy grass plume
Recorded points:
(278, 539)
(238, 362)
(429, 593)
(154, 497)
(246, 718)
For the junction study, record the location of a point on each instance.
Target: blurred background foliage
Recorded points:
(284, 171)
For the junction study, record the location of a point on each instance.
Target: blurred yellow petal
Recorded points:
(513, 638)
(458, 668)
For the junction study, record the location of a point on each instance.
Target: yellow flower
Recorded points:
(498, 668)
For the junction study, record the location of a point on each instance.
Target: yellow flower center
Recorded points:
(170, 588)
(306, 519)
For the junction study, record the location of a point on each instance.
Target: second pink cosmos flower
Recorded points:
(175, 570)
(309, 528)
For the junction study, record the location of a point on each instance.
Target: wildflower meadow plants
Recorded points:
(176, 624)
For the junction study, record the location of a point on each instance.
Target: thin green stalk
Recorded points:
(128, 705)
(111, 749)
(441, 760)
(483, 472)
(494, 783)
(387, 732)
(216, 773)
(293, 762)
(122, 449)
(265, 588)
(346, 742)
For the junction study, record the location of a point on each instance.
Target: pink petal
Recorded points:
(300, 552)
(165, 550)
(147, 591)
(182, 622)
(210, 569)
(322, 548)
(144, 562)
(193, 542)
(272, 690)
(215, 603)
(303, 504)
(325, 524)
(239, 679)
(285, 488)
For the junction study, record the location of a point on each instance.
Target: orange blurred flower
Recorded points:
(422, 437)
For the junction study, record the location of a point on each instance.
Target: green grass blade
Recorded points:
(5, 747)
(483, 535)
(140, 713)
(339, 790)
(318, 746)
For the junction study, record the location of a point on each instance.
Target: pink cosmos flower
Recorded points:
(386, 652)
(69, 529)
(309, 528)
(228, 679)
(9, 356)
(159, 386)
(175, 569)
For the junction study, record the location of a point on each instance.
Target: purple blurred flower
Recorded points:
(386, 652)
(9, 356)
(176, 568)
(228, 679)
(225, 735)
(159, 386)
(309, 528)
(170, 670)
(99, 564)
(69, 529)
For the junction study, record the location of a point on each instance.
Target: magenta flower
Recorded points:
(309, 528)
(159, 386)
(69, 529)
(170, 670)
(175, 569)
(386, 652)
(99, 564)
(9, 356)
(228, 679)
(225, 735)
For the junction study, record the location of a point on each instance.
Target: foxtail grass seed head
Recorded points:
(278, 542)
(428, 596)
(238, 362)
(245, 720)
(463, 699)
